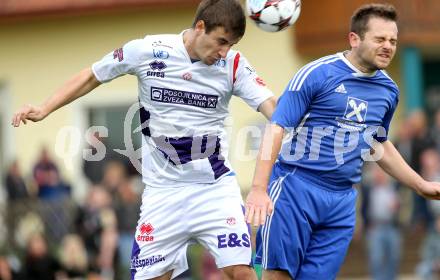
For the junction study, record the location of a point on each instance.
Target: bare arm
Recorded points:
(258, 203)
(393, 163)
(79, 85)
(268, 107)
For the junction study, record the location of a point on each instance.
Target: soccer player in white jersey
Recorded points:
(185, 83)
(340, 108)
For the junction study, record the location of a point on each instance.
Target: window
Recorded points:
(113, 118)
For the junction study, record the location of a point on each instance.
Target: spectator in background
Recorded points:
(73, 257)
(97, 225)
(5, 270)
(429, 267)
(430, 169)
(126, 203)
(430, 164)
(404, 140)
(115, 176)
(421, 141)
(94, 169)
(435, 130)
(15, 184)
(53, 187)
(39, 264)
(43, 167)
(55, 205)
(383, 235)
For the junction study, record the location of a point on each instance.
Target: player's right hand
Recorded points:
(258, 206)
(28, 112)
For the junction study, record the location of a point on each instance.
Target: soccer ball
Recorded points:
(273, 15)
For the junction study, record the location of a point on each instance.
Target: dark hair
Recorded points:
(228, 14)
(361, 17)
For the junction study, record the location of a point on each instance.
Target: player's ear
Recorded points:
(354, 40)
(200, 27)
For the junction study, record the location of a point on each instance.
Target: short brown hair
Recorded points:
(360, 18)
(228, 14)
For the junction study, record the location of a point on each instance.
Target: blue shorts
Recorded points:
(310, 229)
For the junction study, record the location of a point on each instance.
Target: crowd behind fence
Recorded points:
(49, 235)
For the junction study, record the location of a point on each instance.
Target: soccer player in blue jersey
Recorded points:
(338, 110)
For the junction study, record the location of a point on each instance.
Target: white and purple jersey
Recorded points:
(183, 106)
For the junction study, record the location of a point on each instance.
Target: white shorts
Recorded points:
(173, 218)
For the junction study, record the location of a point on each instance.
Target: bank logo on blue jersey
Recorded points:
(161, 54)
(356, 109)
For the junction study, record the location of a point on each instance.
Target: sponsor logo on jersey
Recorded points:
(341, 89)
(118, 54)
(356, 109)
(158, 65)
(187, 76)
(260, 81)
(145, 231)
(161, 54)
(231, 221)
(220, 63)
(233, 240)
(149, 261)
(159, 43)
(173, 96)
(354, 115)
(155, 74)
(249, 69)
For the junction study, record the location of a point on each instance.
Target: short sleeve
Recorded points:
(294, 103)
(247, 84)
(387, 120)
(119, 62)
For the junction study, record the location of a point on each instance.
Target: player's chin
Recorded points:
(382, 63)
(209, 61)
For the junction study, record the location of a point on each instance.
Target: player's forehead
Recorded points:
(220, 33)
(380, 27)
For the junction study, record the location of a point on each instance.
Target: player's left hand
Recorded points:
(258, 206)
(430, 190)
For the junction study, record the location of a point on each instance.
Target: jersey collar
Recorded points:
(357, 72)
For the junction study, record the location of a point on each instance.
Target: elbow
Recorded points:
(268, 107)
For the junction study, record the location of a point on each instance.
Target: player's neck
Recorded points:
(351, 57)
(189, 43)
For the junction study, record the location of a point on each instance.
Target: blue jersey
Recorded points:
(334, 113)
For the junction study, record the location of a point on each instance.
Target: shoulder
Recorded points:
(162, 40)
(150, 45)
(388, 81)
(235, 62)
(316, 71)
(150, 42)
(235, 58)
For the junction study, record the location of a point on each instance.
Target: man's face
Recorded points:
(377, 48)
(213, 46)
